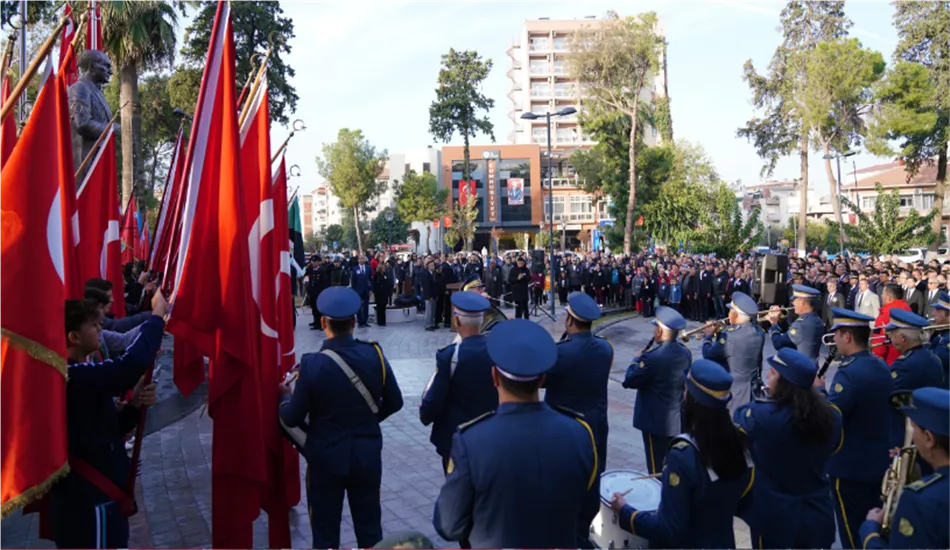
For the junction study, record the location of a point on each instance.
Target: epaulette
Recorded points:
(370, 342)
(904, 355)
(846, 361)
(567, 411)
(680, 444)
(731, 328)
(929, 480)
(565, 340)
(476, 420)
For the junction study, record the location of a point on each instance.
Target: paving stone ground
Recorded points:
(174, 491)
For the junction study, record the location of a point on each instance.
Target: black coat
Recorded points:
(519, 287)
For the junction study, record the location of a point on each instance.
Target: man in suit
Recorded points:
(933, 294)
(852, 291)
(832, 300)
(89, 112)
(867, 302)
(913, 297)
(362, 283)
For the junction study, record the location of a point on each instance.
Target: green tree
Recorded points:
(914, 98)
(352, 167)
(333, 234)
(614, 62)
(385, 232)
(721, 227)
(419, 199)
(464, 218)
(254, 23)
(138, 36)
(159, 129)
(782, 128)
(884, 232)
(451, 238)
(460, 106)
(183, 87)
(542, 239)
(313, 242)
(817, 235)
(349, 237)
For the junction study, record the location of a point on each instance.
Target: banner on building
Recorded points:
(515, 191)
(466, 190)
(492, 192)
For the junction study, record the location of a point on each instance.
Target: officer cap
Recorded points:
(472, 282)
(469, 304)
(804, 291)
(930, 409)
(338, 302)
(743, 304)
(795, 367)
(943, 301)
(582, 307)
(846, 318)
(902, 319)
(709, 384)
(669, 318)
(523, 351)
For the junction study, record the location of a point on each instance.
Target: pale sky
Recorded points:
(373, 66)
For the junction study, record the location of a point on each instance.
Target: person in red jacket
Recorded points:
(892, 298)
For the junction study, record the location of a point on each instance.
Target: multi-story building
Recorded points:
(918, 193)
(306, 214)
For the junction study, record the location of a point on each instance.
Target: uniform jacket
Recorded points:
(459, 392)
(804, 335)
(659, 376)
(519, 478)
(342, 429)
(940, 346)
(739, 349)
(922, 518)
(913, 369)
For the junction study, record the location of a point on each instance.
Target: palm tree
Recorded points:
(137, 35)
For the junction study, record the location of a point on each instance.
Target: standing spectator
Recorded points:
(635, 287)
(893, 298)
(383, 284)
(362, 282)
(867, 302)
(428, 293)
(834, 299)
(518, 280)
(648, 293)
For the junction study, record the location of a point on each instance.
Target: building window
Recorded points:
(580, 209)
(539, 135)
(540, 89)
(538, 43)
(564, 89)
(867, 203)
(558, 202)
(426, 167)
(560, 43)
(567, 135)
(539, 66)
(539, 108)
(603, 210)
(560, 66)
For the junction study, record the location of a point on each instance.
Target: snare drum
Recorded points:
(297, 436)
(605, 531)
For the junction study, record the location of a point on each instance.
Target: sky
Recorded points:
(373, 66)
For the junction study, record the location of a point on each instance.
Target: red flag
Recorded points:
(8, 129)
(32, 245)
(143, 245)
(97, 205)
(212, 304)
(129, 233)
(69, 68)
(164, 235)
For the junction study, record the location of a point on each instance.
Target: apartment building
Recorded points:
(917, 193)
(306, 214)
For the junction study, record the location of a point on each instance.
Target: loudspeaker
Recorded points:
(771, 283)
(537, 260)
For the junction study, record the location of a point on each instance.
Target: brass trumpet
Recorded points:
(885, 342)
(766, 312)
(698, 332)
(937, 327)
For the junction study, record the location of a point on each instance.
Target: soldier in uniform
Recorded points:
(521, 477)
(917, 366)
(940, 339)
(739, 348)
(922, 516)
(792, 435)
(461, 388)
(861, 391)
(347, 389)
(659, 376)
(805, 333)
(707, 476)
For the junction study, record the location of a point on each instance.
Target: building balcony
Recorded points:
(540, 92)
(563, 183)
(539, 46)
(571, 217)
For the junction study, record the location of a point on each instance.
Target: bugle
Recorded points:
(766, 312)
(719, 324)
(884, 342)
(937, 327)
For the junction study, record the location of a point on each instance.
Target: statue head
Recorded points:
(95, 66)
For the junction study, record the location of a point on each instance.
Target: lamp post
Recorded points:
(838, 158)
(563, 236)
(389, 227)
(547, 119)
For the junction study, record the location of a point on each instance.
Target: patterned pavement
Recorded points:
(174, 492)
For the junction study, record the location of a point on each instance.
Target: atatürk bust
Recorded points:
(89, 112)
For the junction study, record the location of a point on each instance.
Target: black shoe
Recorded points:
(430, 329)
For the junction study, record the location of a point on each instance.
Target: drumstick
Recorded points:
(651, 476)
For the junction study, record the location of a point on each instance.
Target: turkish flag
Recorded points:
(212, 305)
(129, 232)
(33, 242)
(143, 245)
(97, 206)
(8, 127)
(70, 70)
(164, 234)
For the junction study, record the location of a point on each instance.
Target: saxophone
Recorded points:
(898, 476)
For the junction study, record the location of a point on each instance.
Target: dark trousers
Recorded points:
(362, 316)
(521, 309)
(440, 308)
(325, 506)
(720, 307)
(312, 299)
(703, 307)
(562, 294)
(381, 312)
(852, 501)
(649, 309)
(80, 525)
(655, 447)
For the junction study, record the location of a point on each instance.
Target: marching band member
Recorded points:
(792, 435)
(520, 477)
(347, 389)
(658, 376)
(861, 391)
(805, 333)
(922, 516)
(707, 475)
(461, 388)
(739, 347)
(940, 339)
(916, 367)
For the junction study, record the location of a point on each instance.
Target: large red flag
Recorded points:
(33, 240)
(129, 232)
(97, 205)
(212, 303)
(69, 68)
(163, 233)
(8, 127)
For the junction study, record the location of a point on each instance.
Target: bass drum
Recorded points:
(644, 494)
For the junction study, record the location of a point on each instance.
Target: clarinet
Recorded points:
(649, 345)
(832, 355)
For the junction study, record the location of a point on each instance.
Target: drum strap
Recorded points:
(354, 379)
(125, 502)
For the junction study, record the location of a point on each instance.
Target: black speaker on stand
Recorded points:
(537, 261)
(772, 283)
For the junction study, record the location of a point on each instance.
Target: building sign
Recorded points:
(466, 190)
(492, 191)
(491, 155)
(515, 191)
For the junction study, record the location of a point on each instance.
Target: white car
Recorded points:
(924, 255)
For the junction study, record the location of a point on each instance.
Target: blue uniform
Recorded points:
(696, 507)
(915, 368)
(659, 378)
(792, 492)
(461, 390)
(344, 441)
(519, 478)
(861, 392)
(82, 516)
(739, 349)
(579, 381)
(922, 518)
(940, 346)
(803, 335)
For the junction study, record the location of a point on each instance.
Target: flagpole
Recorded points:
(250, 75)
(21, 115)
(102, 137)
(293, 130)
(27, 75)
(261, 71)
(7, 55)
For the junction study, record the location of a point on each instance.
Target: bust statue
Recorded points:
(89, 112)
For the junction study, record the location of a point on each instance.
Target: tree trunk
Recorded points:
(632, 198)
(129, 97)
(940, 192)
(465, 156)
(428, 237)
(359, 234)
(835, 192)
(803, 196)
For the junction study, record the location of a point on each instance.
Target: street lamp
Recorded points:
(838, 158)
(389, 226)
(547, 118)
